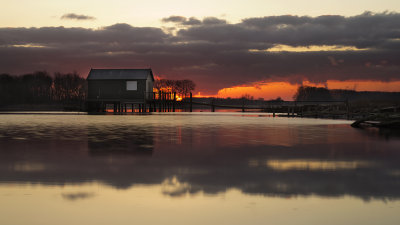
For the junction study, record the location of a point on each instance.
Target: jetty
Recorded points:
(388, 117)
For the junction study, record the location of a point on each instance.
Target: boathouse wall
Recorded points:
(117, 89)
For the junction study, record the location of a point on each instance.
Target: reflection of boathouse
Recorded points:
(119, 87)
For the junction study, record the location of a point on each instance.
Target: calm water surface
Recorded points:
(195, 168)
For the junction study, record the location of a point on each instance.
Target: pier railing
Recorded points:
(154, 96)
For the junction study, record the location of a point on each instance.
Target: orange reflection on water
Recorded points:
(284, 165)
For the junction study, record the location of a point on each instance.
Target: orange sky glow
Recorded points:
(286, 90)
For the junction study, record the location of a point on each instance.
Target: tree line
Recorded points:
(181, 87)
(307, 93)
(65, 88)
(42, 88)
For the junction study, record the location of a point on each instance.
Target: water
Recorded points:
(195, 168)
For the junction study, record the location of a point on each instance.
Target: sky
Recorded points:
(228, 48)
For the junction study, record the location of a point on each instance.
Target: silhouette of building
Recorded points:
(118, 87)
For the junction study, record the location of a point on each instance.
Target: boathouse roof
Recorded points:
(119, 74)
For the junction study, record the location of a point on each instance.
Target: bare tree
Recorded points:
(182, 87)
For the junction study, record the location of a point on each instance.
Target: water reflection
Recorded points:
(120, 140)
(188, 154)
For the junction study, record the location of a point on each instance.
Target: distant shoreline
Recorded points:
(37, 108)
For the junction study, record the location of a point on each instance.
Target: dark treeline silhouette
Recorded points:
(182, 87)
(42, 88)
(306, 93)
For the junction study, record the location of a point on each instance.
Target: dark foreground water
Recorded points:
(195, 168)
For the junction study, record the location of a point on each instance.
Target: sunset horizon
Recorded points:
(227, 52)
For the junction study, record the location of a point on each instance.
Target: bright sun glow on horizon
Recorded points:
(286, 90)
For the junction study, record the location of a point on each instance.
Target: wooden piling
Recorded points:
(212, 105)
(191, 102)
(173, 103)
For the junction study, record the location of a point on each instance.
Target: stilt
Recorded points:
(173, 103)
(191, 102)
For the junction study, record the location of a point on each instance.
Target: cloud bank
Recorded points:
(218, 54)
(73, 16)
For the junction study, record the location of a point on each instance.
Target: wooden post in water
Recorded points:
(159, 101)
(191, 102)
(212, 105)
(173, 103)
(163, 101)
(293, 110)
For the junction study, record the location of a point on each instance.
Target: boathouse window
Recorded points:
(131, 85)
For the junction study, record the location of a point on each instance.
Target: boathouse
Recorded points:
(118, 87)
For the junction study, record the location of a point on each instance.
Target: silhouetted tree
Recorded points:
(306, 93)
(36, 87)
(278, 99)
(246, 98)
(8, 87)
(187, 87)
(182, 87)
(69, 87)
(40, 87)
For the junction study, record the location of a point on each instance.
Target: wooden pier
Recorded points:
(154, 102)
(168, 102)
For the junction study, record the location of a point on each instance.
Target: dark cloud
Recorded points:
(77, 196)
(181, 20)
(174, 19)
(214, 50)
(73, 16)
